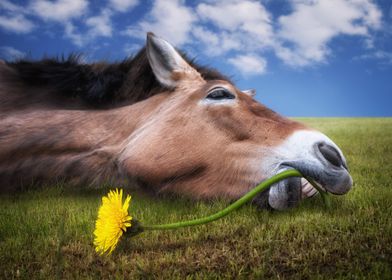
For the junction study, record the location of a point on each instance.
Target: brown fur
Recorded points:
(164, 140)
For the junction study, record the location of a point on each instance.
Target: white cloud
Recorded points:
(386, 56)
(241, 27)
(214, 43)
(71, 33)
(60, 10)
(241, 32)
(383, 57)
(249, 15)
(123, 5)
(9, 6)
(242, 13)
(306, 32)
(100, 25)
(208, 37)
(16, 23)
(247, 21)
(249, 64)
(10, 53)
(170, 19)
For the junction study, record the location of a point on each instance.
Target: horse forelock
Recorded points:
(99, 84)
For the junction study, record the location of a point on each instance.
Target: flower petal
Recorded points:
(113, 220)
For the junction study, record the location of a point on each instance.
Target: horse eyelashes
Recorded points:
(220, 94)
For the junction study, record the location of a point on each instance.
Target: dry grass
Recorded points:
(47, 233)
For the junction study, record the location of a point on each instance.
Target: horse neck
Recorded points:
(81, 145)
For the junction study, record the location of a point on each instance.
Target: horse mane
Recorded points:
(99, 84)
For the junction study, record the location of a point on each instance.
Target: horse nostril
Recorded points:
(331, 154)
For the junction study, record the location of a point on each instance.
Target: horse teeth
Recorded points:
(312, 192)
(307, 189)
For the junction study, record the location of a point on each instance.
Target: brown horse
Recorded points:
(158, 121)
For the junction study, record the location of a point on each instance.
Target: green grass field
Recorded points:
(47, 233)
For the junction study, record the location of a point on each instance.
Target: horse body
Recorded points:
(156, 120)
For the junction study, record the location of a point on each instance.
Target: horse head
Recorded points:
(179, 128)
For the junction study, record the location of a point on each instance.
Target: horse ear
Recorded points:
(250, 92)
(166, 63)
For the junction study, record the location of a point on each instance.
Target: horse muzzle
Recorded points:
(318, 159)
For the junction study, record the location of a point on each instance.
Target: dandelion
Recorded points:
(113, 220)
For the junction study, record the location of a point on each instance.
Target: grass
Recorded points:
(47, 233)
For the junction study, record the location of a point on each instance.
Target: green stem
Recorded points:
(234, 206)
(324, 195)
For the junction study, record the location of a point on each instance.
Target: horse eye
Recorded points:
(220, 94)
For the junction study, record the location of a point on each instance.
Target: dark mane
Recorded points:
(99, 84)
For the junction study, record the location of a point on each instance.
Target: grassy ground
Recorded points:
(48, 233)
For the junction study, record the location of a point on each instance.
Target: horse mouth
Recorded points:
(289, 192)
(332, 179)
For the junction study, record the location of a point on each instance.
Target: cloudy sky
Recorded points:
(304, 57)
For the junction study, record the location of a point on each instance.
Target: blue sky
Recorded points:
(304, 57)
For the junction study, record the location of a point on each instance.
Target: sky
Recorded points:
(311, 58)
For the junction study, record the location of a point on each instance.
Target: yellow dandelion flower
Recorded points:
(113, 220)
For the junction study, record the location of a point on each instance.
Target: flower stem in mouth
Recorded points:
(232, 207)
(324, 194)
(114, 219)
(240, 202)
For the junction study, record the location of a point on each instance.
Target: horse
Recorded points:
(156, 121)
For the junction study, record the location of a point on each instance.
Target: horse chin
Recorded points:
(286, 194)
